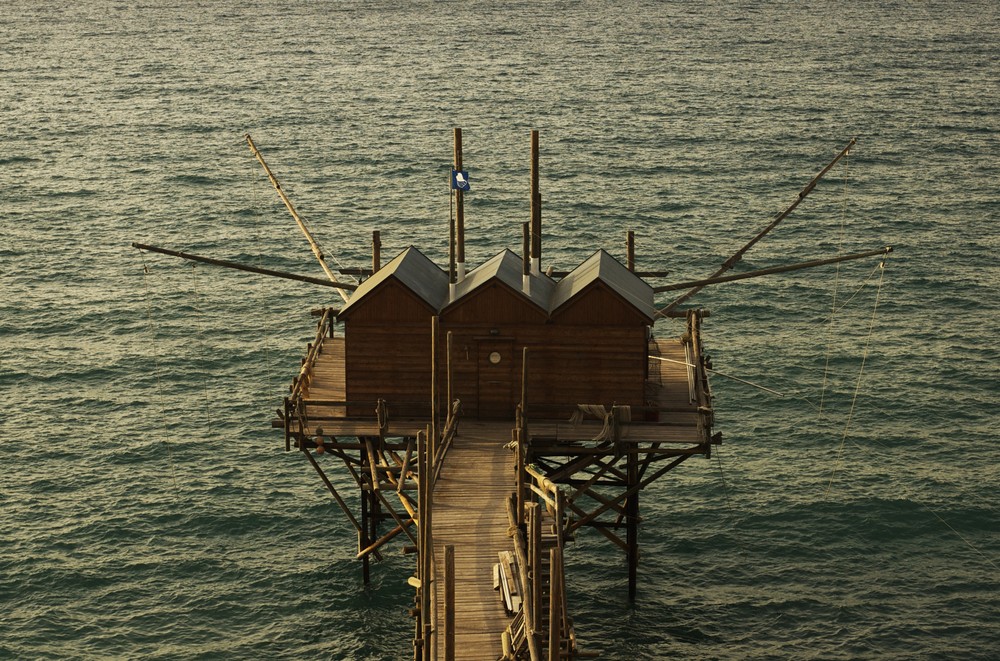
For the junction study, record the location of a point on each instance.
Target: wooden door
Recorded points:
(495, 358)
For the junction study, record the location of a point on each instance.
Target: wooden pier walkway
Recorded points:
(470, 515)
(454, 493)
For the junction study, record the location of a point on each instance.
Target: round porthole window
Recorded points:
(495, 357)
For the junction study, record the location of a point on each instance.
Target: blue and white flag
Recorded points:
(459, 180)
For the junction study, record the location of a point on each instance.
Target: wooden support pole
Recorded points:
(738, 255)
(522, 440)
(287, 418)
(449, 402)
(555, 599)
(363, 539)
(520, 488)
(425, 545)
(534, 515)
(295, 215)
(452, 266)
(389, 536)
(332, 490)
(376, 251)
(449, 603)
(435, 396)
(459, 212)
(536, 209)
(406, 465)
(530, 615)
(701, 284)
(632, 525)
(526, 258)
(630, 251)
(584, 520)
(526, 248)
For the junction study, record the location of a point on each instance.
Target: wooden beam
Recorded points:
(332, 489)
(536, 207)
(244, 267)
(700, 284)
(459, 210)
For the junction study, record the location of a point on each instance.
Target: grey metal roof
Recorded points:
(508, 268)
(428, 281)
(418, 273)
(602, 266)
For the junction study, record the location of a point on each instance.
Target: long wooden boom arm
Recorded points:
(244, 267)
(738, 255)
(665, 311)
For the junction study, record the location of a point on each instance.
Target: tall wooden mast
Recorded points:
(536, 209)
(459, 213)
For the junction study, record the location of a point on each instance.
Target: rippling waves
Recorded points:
(148, 509)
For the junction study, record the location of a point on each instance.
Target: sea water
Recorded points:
(147, 509)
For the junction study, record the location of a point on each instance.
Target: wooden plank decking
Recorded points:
(469, 500)
(470, 514)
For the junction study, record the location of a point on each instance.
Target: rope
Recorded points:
(273, 387)
(728, 376)
(862, 286)
(861, 371)
(836, 287)
(935, 514)
(198, 297)
(156, 365)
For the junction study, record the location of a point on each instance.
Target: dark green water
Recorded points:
(148, 511)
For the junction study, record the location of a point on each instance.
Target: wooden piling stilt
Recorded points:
(449, 603)
(555, 593)
(632, 524)
(364, 532)
(425, 544)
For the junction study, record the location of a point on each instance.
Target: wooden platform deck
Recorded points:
(668, 388)
(325, 383)
(469, 514)
(478, 475)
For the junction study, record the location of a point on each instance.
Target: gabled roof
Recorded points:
(507, 268)
(604, 268)
(430, 283)
(415, 271)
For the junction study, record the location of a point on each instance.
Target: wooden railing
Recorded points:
(430, 459)
(447, 437)
(702, 391)
(542, 628)
(324, 329)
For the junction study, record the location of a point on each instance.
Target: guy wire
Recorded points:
(936, 515)
(836, 285)
(156, 365)
(861, 371)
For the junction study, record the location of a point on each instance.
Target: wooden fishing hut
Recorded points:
(487, 415)
(540, 386)
(387, 333)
